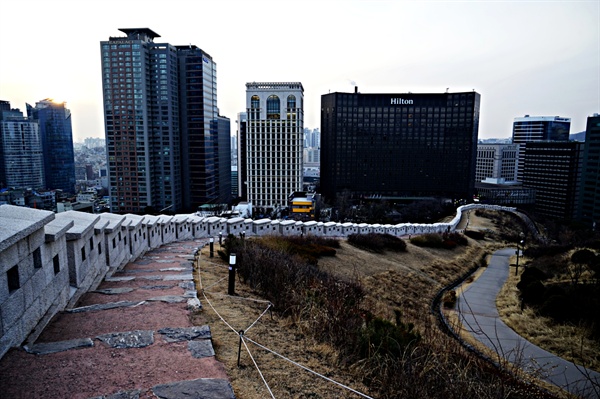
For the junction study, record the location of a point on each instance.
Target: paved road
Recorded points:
(478, 313)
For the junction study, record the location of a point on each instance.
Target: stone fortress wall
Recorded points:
(48, 261)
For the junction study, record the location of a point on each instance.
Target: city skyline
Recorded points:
(536, 58)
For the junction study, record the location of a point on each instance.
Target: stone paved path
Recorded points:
(131, 338)
(479, 315)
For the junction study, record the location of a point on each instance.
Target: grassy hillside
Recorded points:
(398, 289)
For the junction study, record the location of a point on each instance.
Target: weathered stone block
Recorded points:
(27, 288)
(203, 387)
(11, 337)
(12, 309)
(32, 315)
(8, 258)
(3, 287)
(36, 239)
(26, 269)
(23, 249)
(38, 282)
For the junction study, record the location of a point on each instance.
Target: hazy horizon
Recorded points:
(538, 58)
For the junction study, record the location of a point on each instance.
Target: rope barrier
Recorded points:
(261, 315)
(213, 284)
(307, 369)
(241, 298)
(217, 313)
(243, 339)
(256, 365)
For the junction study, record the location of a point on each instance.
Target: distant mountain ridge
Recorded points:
(577, 136)
(507, 140)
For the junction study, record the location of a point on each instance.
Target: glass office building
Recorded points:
(201, 148)
(399, 145)
(21, 157)
(531, 129)
(54, 121)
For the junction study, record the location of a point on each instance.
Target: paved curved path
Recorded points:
(478, 313)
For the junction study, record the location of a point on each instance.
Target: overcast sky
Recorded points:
(523, 57)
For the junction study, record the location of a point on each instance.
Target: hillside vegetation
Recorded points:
(358, 316)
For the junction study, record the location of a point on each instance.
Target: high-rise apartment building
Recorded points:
(54, 121)
(160, 113)
(21, 158)
(589, 200)
(312, 138)
(312, 156)
(399, 145)
(274, 142)
(497, 161)
(529, 129)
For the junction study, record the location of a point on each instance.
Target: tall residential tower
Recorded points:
(160, 114)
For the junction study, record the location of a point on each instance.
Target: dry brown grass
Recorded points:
(281, 335)
(405, 281)
(565, 340)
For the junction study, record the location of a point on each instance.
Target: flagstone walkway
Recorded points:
(139, 335)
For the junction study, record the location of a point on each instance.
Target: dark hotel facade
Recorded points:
(395, 146)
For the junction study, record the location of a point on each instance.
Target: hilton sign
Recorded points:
(401, 101)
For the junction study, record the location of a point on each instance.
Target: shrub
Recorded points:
(475, 234)
(449, 299)
(557, 307)
(532, 274)
(434, 240)
(554, 290)
(583, 256)
(448, 244)
(457, 238)
(545, 250)
(532, 293)
(377, 243)
(430, 240)
(381, 337)
(329, 307)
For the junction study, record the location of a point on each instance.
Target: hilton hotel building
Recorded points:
(395, 146)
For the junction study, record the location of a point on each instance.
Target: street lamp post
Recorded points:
(520, 244)
(231, 282)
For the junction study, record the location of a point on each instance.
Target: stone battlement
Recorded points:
(48, 260)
